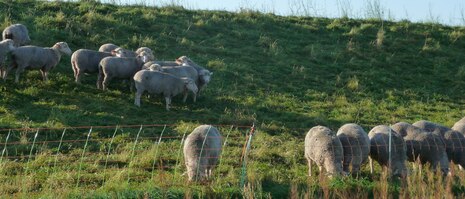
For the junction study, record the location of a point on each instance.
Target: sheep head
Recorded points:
(63, 48)
(190, 84)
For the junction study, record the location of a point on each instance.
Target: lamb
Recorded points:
(18, 33)
(379, 150)
(33, 57)
(86, 61)
(118, 67)
(356, 146)
(179, 71)
(423, 145)
(460, 126)
(202, 150)
(108, 47)
(6, 46)
(162, 83)
(324, 148)
(454, 140)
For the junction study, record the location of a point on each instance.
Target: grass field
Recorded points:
(285, 74)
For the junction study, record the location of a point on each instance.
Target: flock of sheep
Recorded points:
(168, 78)
(424, 142)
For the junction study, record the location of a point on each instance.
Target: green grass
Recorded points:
(285, 74)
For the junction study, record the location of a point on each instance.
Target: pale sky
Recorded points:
(450, 12)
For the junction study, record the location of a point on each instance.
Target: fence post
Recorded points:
(244, 156)
(132, 154)
(82, 157)
(156, 150)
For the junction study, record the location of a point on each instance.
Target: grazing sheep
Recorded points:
(324, 148)
(33, 57)
(148, 52)
(107, 47)
(460, 126)
(454, 140)
(6, 46)
(202, 150)
(179, 71)
(356, 146)
(118, 67)
(379, 150)
(86, 61)
(204, 74)
(423, 145)
(162, 83)
(18, 33)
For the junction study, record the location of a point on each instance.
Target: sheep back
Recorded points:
(87, 61)
(120, 67)
(356, 146)
(18, 33)
(202, 149)
(108, 47)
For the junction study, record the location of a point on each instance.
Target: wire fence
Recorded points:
(95, 155)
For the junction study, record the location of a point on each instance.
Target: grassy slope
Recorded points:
(285, 73)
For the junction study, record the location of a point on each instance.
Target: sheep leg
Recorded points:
(19, 70)
(100, 80)
(105, 82)
(185, 97)
(137, 98)
(194, 96)
(309, 167)
(168, 102)
(371, 165)
(44, 75)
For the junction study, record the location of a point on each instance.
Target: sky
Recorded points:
(451, 12)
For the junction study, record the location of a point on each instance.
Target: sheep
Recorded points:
(379, 150)
(18, 33)
(118, 67)
(202, 150)
(454, 140)
(356, 146)
(324, 148)
(33, 57)
(121, 52)
(108, 47)
(86, 61)
(148, 52)
(460, 126)
(162, 83)
(204, 74)
(424, 146)
(179, 71)
(6, 46)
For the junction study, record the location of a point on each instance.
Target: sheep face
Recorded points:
(205, 75)
(183, 60)
(148, 56)
(190, 85)
(156, 67)
(63, 47)
(121, 52)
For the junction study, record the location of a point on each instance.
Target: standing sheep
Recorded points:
(86, 61)
(162, 83)
(324, 148)
(423, 145)
(18, 33)
(460, 126)
(179, 71)
(6, 46)
(356, 146)
(33, 57)
(118, 67)
(202, 150)
(204, 74)
(379, 150)
(454, 140)
(108, 47)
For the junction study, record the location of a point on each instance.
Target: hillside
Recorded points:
(285, 74)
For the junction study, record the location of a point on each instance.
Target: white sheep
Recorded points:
(118, 67)
(33, 57)
(86, 61)
(157, 82)
(6, 46)
(324, 148)
(108, 47)
(18, 33)
(202, 150)
(356, 145)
